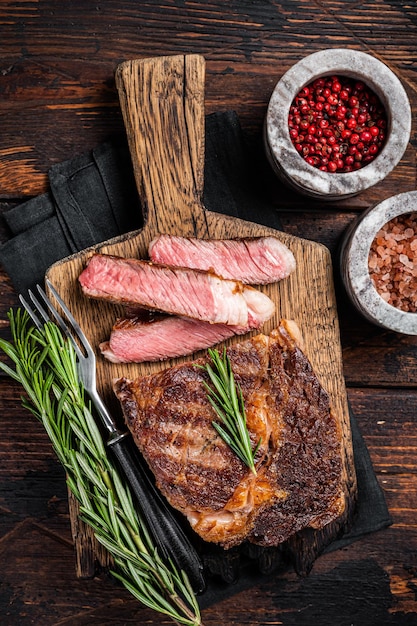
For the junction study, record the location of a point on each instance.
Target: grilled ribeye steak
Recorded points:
(298, 482)
(252, 260)
(181, 291)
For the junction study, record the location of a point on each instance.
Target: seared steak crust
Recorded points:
(298, 482)
(307, 454)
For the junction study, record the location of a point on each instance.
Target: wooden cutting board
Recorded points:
(162, 101)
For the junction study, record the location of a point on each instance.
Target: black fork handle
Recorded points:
(169, 536)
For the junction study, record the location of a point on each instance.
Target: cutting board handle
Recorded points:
(162, 102)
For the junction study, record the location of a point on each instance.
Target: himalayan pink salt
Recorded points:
(392, 262)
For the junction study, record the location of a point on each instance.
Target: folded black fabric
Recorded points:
(93, 198)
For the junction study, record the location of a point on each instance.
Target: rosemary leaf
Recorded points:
(125, 502)
(226, 398)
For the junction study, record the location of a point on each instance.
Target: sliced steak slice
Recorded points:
(182, 291)
(160, 337)
(257, 260)
(298, 481)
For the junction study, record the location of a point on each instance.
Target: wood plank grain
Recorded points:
(57, 73)
(380, 358)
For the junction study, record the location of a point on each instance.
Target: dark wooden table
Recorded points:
(57, 100)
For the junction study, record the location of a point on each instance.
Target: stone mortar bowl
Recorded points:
(291, 168)
(354, 264)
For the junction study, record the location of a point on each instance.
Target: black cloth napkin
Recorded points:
(93, 198)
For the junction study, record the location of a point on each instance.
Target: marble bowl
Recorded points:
(354, 264)
(291, 167)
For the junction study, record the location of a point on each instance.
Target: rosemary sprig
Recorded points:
(45, 365)
(226, 398)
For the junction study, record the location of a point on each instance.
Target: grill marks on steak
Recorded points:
(298, 482)
(257, 260)
(184, 451)
(181, 291)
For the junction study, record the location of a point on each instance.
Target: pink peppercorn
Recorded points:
(337, 112)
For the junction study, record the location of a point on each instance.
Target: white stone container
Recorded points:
(354, 267)
(291, 168)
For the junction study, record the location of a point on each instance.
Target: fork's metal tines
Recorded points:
(47, 312)
(47, 317)
(70, 318)
(35, 319)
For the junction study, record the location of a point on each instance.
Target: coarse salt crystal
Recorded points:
(393, 265)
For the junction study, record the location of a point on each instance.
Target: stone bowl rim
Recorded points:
(354, 263)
